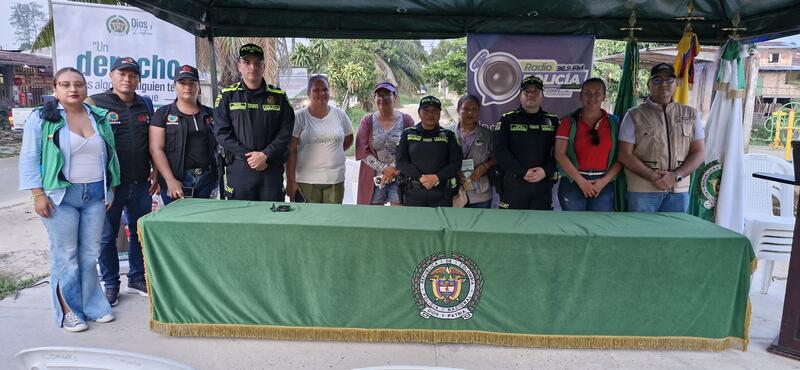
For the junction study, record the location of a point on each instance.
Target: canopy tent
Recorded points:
(406, 19)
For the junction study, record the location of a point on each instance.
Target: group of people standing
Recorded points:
(88, 159)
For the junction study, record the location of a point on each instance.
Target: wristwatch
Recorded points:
(678, 178)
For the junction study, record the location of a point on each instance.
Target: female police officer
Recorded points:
(429, 157)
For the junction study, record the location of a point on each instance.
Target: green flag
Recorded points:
(626, 99)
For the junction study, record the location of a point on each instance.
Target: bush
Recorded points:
(355, 114)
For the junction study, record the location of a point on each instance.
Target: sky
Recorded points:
(7, 40)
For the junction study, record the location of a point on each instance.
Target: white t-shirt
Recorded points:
(320, 153)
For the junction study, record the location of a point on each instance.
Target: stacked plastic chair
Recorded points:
(770, 235)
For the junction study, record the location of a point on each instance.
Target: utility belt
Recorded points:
(417, 185)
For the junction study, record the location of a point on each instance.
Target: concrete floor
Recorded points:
(26, 322)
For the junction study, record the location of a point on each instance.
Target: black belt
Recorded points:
(198, 171)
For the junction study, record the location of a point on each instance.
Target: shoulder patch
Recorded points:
(234, 87)
(275, 90)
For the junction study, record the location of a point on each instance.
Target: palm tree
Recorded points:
(401, 62)
(227, 50)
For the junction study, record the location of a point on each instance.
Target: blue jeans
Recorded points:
(486, 204)
(75, 228)
(136, 201)
(658, 202)
(203, 184)
(571, 197)
(390, 193)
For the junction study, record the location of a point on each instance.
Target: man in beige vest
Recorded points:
(660, 145)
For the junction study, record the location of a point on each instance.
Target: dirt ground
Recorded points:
(10, 142)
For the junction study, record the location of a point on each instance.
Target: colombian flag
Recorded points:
(688, 48)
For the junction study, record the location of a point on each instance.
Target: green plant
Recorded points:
(10, 286)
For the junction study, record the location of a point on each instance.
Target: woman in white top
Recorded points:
(321, 135)
(69, 164)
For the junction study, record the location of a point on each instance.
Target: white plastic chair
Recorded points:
(770, 235)
(44, 358)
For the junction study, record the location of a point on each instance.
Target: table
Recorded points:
(407, 274)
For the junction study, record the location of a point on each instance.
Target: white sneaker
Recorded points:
(105, 318)
(72, 323)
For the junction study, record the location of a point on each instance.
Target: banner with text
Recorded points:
(498, 63)
(91, 37)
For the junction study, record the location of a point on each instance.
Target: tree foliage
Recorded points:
(27, 19)
(612, 73)
(449, 63)
(355, 66)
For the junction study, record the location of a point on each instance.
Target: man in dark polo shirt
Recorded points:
(129, 115)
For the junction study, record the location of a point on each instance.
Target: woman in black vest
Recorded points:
(182, 142)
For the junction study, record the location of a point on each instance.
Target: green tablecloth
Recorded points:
(404, 274)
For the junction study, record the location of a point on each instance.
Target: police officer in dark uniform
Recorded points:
(523, 146)
(253, 123)
(129, 115)
(429, 158)
(182, 142)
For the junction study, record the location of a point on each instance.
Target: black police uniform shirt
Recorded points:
(424, 152)
(130, 123)
(525, 140)
(254, 120)
(189, 141)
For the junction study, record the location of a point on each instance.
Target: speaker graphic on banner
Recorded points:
(498, 63)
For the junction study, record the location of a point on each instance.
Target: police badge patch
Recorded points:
(709, 184)
(112, 117)
(447, 288)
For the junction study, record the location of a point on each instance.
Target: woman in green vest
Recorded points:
(586, 151)
(69, 164)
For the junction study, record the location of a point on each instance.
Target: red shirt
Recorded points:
(590, 157)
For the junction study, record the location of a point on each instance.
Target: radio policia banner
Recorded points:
(498, 63)
(91, 37)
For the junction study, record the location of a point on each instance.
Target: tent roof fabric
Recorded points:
(427, 19)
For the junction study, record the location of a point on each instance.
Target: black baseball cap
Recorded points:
(430, 101)
(186, 71)
(126, 63)
(662, 67)
(531, 80)
(248, 50)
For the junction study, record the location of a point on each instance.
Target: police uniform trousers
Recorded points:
(520, 194)
(421, 197)
(249, 184)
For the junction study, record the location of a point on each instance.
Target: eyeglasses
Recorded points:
(659, 80)
(66, 85)
(595, 137)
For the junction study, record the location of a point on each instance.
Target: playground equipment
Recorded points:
(783, 119)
